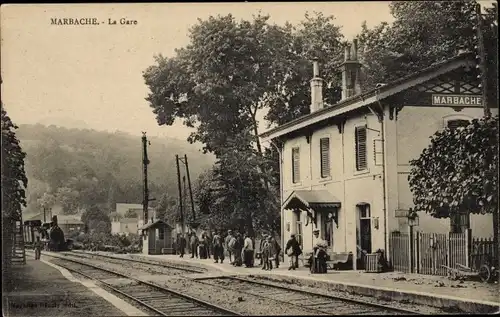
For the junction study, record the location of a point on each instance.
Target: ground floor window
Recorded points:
(459, 223)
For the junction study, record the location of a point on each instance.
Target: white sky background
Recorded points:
(91, 76)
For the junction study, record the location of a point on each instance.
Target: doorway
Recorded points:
(326, 230)
(364, 233)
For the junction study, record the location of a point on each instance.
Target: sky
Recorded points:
(91, 76)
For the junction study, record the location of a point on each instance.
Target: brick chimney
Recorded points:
(351, 71)
(316, 89)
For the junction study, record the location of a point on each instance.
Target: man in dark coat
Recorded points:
(218, 249)
(181, 245)
(238, 246)
(277, 250)
(294, 247)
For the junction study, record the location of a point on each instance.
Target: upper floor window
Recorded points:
(453, 124)
(325, 156)
(161, 233)
(361, 154)
(295, 165)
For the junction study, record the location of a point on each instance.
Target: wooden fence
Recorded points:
(481, 252)
(399, 248)
(428, 253)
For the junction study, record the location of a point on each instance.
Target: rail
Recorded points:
(144, 295)
(315, 302)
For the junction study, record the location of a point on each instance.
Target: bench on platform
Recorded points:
(341, 260)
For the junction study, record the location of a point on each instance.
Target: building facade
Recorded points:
(128, 218)
(344, 167)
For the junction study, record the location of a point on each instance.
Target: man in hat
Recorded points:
(320, 255)
(261, 246)
(227, 240)
(293, 250)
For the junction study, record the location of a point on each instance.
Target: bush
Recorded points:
(108, 242)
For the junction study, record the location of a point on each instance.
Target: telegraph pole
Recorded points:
(189, 184)
(180, 192)
(184, 191)
(145, 162)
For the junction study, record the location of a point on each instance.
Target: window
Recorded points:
(453, 124)
(324, 145)
(295, 165)
(161, 233)
(360, 139)
(459, 223)
(364, 211)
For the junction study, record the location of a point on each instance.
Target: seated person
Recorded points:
(319, 257)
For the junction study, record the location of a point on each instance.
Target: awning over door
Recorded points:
(311, 199)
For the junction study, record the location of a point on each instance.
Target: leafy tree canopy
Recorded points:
(458, 171)
(424, 33)
(14, 180)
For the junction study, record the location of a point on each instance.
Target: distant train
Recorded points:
(50, 234)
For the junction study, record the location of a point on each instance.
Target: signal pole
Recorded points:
(189, 184)
(145, 162)
(180, 192)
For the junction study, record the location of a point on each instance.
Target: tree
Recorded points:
(458, 172)
(14, 183)
(219, 82)
(95, 219)
(315, 37)
(69, 199)
(164, 204)
(422, 34)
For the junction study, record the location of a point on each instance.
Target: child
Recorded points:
(38, 248)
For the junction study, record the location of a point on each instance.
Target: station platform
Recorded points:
(436, 291)
(40, 288)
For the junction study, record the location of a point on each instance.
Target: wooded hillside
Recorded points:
(79, 168)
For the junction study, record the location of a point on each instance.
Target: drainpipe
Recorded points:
(384, 189)
(313, 225)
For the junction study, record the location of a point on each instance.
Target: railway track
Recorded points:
(316, 303)
(179, 268)
(155, 298)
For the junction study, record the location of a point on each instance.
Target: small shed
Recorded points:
(157, 238)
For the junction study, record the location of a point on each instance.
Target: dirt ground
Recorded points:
(37, 289)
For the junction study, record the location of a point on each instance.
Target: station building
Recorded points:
(344, 167)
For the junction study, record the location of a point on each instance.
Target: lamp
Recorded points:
(413, 219)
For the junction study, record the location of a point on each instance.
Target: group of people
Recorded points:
(239, 248)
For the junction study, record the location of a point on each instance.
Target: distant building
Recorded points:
(67, 223)
(123, 223)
